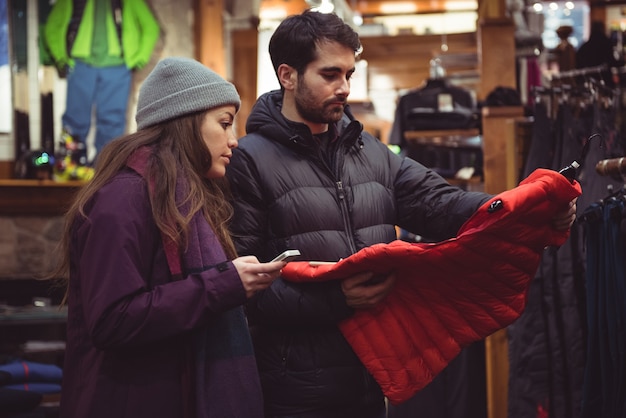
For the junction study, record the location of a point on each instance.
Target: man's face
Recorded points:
(322, 90)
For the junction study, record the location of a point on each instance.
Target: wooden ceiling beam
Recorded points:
(372, 8)
(369, 8)
(291, 7)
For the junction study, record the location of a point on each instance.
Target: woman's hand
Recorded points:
(256, 276)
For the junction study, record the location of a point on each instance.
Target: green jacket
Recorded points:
(140, 31)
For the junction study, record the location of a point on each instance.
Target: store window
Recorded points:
(552, 15)
(5, 73)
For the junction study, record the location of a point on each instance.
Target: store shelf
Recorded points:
(36, 197)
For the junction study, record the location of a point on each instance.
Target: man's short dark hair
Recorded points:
(296, 39)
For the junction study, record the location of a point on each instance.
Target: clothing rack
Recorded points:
(566, 111)
(581, 72)
(612, 167)
(575, 77)
(601, 75)
(595, 85)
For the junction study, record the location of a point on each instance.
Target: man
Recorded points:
(99, 43)
(307, 177)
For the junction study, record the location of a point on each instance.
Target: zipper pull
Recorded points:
(340, 190)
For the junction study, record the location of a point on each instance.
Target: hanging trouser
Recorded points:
(104, 90)
(615, 300)
(604, 390)
(592, 399)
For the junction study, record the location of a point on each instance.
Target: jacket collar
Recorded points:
(266, 119)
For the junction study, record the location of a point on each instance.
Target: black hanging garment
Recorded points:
(439, 106)
(547, 344)
(604, 392)
(604, 223)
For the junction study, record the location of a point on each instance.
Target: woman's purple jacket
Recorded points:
(141, 343)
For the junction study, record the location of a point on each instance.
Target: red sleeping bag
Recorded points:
(449, 294)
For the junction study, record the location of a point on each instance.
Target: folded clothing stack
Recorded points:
(30, 376)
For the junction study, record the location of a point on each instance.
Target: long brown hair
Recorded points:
(177, 149)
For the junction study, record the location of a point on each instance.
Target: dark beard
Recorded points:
(319, 115)
(308, 111)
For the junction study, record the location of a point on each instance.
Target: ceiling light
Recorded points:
(327, 6)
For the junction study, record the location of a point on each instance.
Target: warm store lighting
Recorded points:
(461, 5)
(272, 13)
(327, 6)
(398, 8)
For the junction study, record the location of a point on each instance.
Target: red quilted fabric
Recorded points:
(452, 293)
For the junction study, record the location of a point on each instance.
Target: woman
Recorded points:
(155, 324)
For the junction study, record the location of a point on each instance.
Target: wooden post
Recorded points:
(209, 35)
(499, 168)
(497, 369)
(496, 55)
(245, 51)
(497, 131)
(228, 44)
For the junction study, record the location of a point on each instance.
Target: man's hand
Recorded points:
(364, 290)
(562, 221)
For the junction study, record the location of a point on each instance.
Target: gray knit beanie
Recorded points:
(178, 86)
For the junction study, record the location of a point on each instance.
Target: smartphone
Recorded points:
(321, 263)
(288, 255)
